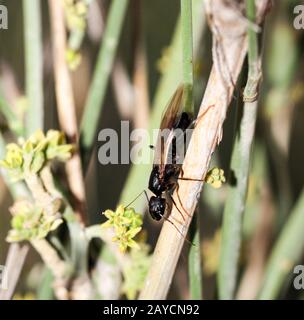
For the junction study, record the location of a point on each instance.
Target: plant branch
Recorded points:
(33, 64)
(14, 263)
(66, 106)
(187, 44)
(61, 270)
(240, 166)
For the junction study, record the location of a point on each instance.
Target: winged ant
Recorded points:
(167, 165)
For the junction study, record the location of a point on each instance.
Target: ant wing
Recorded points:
(173, 109)
(169, 120)
(180, 136)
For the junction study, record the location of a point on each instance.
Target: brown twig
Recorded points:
(66, 105)
(140, 78)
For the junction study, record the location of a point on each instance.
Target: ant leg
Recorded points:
(186, 239)
(188, 179)
(180, 200)
(202, 115)
(173, 201)
(174, 218)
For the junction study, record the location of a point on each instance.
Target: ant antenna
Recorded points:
(136, 198)
(145, 192)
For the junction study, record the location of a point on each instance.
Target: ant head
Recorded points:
(157, 206)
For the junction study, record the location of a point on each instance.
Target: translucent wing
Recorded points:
(169, 120)
(173, 109)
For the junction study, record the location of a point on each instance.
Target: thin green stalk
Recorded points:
(194, 265)
(172, 77)
(240, 165)
(45, 290)
(97, 92)
(195, 272)
(33, 64)
(288, 249)
(187, 44)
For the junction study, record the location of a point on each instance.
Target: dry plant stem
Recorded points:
(59, 268)
(51, 258)
(141, 98)
(206, 136)
(66, 105)
(123, 90)
(140, 75)
(14, 263)
(39, 193)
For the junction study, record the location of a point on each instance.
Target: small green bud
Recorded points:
(215, 177)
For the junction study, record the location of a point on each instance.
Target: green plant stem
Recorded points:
(240, 166)
(97, 92)
(195, 269)
(187, 43)
(138, 176)
(45, 290)
(33, 64)
(287, 251)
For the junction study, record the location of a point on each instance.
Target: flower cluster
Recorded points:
(76, 19)
(215, 177)
(30, 222)
(31, 155)
(126, 224)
